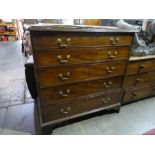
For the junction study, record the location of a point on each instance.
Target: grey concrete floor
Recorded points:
(17, 106)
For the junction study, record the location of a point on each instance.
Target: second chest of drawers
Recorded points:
(140, 82)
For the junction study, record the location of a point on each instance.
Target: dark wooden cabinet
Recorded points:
(140, 81)
(79, 71)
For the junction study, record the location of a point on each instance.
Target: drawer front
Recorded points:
(71, 91)
(78, 56)
(65, 74)
(48, 41)
(141, 66)
(53, 112)
(139, 79)
(139, 93)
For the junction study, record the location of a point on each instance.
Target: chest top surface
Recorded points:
(77, 28)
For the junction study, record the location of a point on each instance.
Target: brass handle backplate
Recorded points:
(112, 55)
(64, 112)
(61, 44)
(110, 70)
(107, 85)
(142, 66)
(64, 76)
(139, 80)
(153, 88)
(63, 61)
(64, 93)
(134, 94)
(114, 41)
(106, 101)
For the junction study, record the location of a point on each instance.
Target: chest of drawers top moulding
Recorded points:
(77, 28)
(134, 58)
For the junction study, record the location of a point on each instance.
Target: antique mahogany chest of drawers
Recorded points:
(79, 71)
(140, 81)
